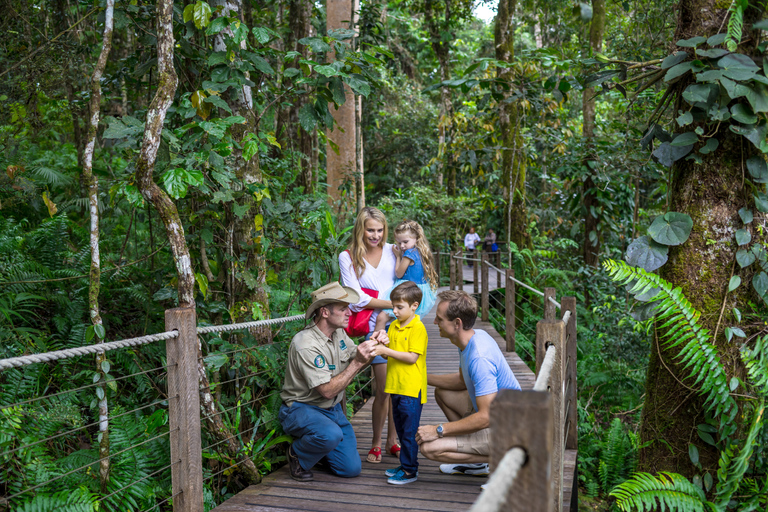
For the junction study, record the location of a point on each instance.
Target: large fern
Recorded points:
(680, 319)
(672, 491)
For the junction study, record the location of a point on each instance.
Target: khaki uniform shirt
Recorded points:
(313, 359)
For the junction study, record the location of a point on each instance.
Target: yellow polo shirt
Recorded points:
(402, 378)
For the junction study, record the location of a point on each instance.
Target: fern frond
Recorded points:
(732, 469)
(756, 361)
(680, 318)
(735, 24)
(672, 491)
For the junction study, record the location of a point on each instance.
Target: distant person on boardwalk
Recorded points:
(322, 361)
(489, 242)
(414, 264)
(406, 377)
(368, 266)
(465, 396)
(470, 241)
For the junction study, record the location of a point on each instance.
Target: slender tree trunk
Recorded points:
(513, 160)
(591, 205)
(442, 51)
(92, 183)
(712, 194)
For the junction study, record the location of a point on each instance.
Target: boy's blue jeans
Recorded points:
(407, 414)
(322, 433)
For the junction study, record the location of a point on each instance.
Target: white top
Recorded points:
(470, 239)
(379, 278)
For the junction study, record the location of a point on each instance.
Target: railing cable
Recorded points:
(553, 301)
(45, 357)
(139, 480)
(497, 488)
(534, 290)
(156, 505)
(248, 325)
(542, 379)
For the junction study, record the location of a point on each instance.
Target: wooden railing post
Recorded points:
(571, 407)
(438, 257)
(509, 310)
(549, 308)
(484, 299)
(452, 270)
(524, 419)
(184, 411)
(498, 272)
(475, 273)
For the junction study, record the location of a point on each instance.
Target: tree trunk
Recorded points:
(92, 183)
(442, 51)
(591, 205)
(711, 193)
(513, 160)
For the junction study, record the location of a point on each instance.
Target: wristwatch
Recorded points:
(440, 430)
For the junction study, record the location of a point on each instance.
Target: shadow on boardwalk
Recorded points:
(433, 491)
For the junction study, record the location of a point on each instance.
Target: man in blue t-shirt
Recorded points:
(465, 397)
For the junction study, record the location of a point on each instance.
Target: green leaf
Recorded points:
(672, 228)
(728, 334)
(714, 53)
(737, 332)
(667, 154)
(358, 84)
(746, 215)
(216, 25)
(96, 377)
(760, 283)
(734, 283)
(761, 25)
(743, 114)
(308, 117)
(218, 102)
(337, 90)
(99, 330)
(761, 202)
(216, 361)
(646, 254)
(743, 237)
(716, 40)
(754, 133)
(327, 70)
(202, 282)
(758, 169)
(710, 146)
(685, 119)
(744, 258)
(678, 70)
(713, 75)
(757, 95)
(684, 139)
(259, 62)
(692, 42)
(89, 334)
(105, 366)
(100, 393)
(250, 148)
(693, 453)
(673, 60)
(701, 93)
(316, 43)
(201, 14)
(737, 314)
(261, 34)
(738, 66)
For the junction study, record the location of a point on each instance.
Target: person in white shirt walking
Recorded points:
(470, 239)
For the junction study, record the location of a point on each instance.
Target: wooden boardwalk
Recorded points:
(370, 492)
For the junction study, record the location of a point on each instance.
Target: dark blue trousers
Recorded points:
(406, 411)
(319, 433)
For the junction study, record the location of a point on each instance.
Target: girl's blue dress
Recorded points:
(415, 273)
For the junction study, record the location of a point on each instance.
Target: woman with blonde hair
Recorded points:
(368, 266)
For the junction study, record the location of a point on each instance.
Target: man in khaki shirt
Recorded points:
(322, 361)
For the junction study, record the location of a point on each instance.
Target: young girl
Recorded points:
(414, 263)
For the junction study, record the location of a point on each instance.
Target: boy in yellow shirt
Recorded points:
(406, 377)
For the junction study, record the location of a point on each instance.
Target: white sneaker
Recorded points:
(478, 469)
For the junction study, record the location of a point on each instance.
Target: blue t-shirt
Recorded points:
(414, 272)
(484, 368)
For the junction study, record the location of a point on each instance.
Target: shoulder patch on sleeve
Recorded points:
(320, 361)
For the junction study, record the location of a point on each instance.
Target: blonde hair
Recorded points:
(422, 245)
(357, 248)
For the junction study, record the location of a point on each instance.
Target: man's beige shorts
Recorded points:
(477, 443)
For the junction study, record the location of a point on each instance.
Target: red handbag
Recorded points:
(358, 322)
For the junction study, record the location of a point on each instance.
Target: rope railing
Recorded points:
(542, 379)
(534, 290)
(566, 316)
(248, 325)
(553, 301)
(15, 362)
(496, 490)
(464, 258)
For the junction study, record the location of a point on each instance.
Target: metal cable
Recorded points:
(158, 504)
(81, 428)
(248, 325)
(238, 378)
(497, 488)
(230, 437)
(534, 290)
(246, 403)
(23, 402)
(9, 498)
(542, 379)
(139, 480)
(553, 301)
(45, 357)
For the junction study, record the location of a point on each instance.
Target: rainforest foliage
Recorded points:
(616, 148)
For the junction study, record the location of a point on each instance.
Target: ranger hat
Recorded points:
(330, 293)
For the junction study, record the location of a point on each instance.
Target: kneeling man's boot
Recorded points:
(297, 472)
